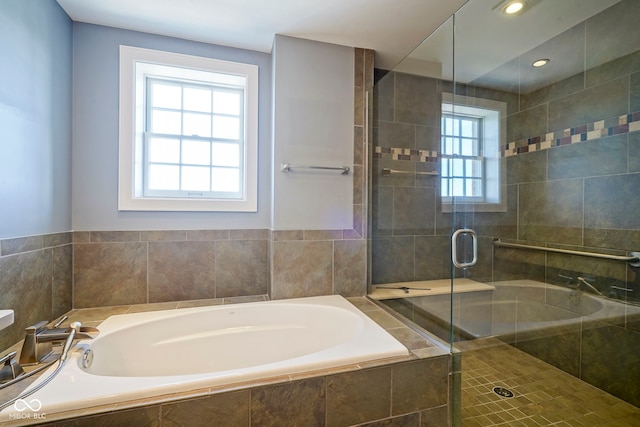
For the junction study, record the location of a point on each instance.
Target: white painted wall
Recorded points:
(95, 134)
(306, 117)
(313, 88)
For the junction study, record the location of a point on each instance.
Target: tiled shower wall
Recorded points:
(409, 233)
(45, 276)
(572, 168)
(580, 193)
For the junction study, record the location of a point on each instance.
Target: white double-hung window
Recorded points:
(188, 133)
(463, 165)
(472, 172)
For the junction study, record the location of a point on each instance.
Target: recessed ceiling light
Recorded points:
(513, 7)
(540, 62)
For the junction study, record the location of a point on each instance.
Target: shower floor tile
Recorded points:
(542, 394)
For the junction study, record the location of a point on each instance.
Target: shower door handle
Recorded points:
(454, 251)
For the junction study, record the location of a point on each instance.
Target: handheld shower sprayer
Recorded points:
(75, 327)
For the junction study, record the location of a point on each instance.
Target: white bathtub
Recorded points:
(522, 308)
(146, 354)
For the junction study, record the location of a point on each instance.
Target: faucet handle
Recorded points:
(11, 369)
(32, 350)
(74, 328)
(38, 327)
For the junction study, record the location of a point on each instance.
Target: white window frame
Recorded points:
(135, 65)
(493, 115)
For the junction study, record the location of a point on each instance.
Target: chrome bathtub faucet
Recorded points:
(38, 342)
(581, 281)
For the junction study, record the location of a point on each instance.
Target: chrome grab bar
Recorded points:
(287, 167)
(633, 260)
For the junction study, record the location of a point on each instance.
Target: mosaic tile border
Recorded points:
(614, 126)
(392, 153)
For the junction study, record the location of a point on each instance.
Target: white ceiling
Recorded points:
(392, 28)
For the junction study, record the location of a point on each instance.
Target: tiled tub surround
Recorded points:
(136, 267)
(408, 391)
(130, 267)
(36, 280)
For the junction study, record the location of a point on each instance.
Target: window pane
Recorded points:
(458, 167)
(162, 150)
(468, 147)
(457, 189)
(448, 146)
(166, 96)
(455, 128)
(226, 127)
(196, 99)
(197, 124)
(444, 191)
(445, 167)
(163, 177)
(467, 128)
(196, 152)
(477, 187)
(224, 179)
(226, 154)
(165, 122)
(474, 188)
(448, 126)
(474, 168)
(226, 103)
(195, 178)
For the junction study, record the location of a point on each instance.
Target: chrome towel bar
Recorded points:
(287, 167)
(633, 260)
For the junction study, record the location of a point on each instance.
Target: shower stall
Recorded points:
(504, 188)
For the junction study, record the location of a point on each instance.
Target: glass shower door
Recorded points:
(492, 177)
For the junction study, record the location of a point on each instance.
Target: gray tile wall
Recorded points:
(118, 268)
(409, 234)
(36, 277)
(579, 195)
(583, 196)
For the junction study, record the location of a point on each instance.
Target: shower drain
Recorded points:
(503, 392)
